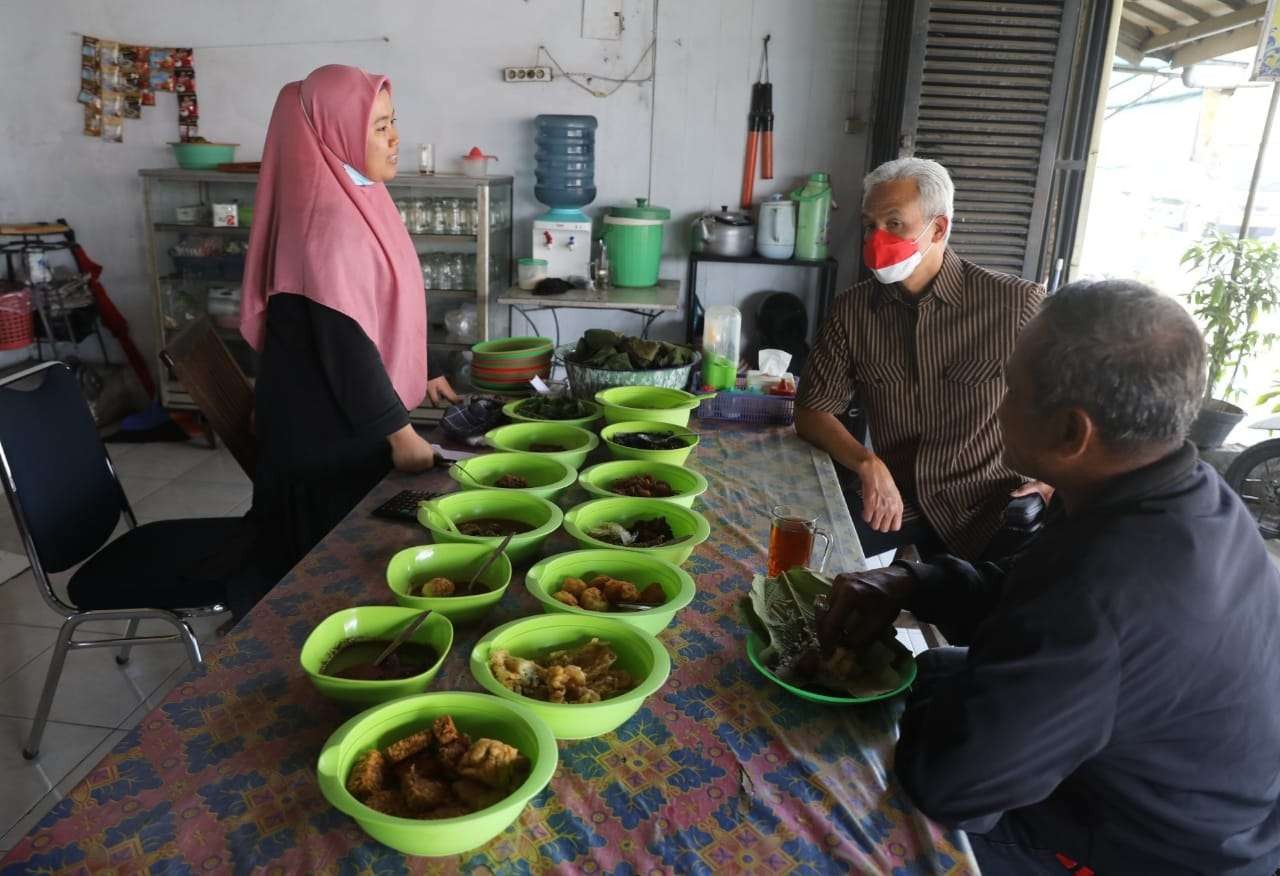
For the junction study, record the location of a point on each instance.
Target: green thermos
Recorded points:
(813, 217)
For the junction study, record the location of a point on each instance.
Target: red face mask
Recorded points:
(892, 258)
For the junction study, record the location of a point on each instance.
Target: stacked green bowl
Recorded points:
(507, 365)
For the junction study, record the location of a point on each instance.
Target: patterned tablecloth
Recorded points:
(719, 772)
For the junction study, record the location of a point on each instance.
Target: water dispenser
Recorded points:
(565, 182)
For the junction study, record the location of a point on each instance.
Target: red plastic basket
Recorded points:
(17, 329)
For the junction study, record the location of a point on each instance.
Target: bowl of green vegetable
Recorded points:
(566, 410)
(650, 442)
(653, 527)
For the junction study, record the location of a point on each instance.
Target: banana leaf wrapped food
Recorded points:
(781, 612)
(611, 351)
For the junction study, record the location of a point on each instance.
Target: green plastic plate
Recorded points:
(755, 645)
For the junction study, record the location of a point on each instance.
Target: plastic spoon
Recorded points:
(475, 579)
(469, 475)
(435, 509)
(409, 629)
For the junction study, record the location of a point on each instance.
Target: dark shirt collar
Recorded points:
(947, 286)
(1131, 488)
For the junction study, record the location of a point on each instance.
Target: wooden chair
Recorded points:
(218, 387)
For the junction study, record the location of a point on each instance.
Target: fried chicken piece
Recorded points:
(476, 796)
(592, 658)
(444, 730)
(563, 683)
(593, 600)
(621, 591)
(389, 803)
(573, 586)
(409, 746)
(653, 595)
(599, 581)
(566, 597)
(450, 755)
(424, 763)
(368, 776)
(492, 763)
(423, 793)
(437, 587)
(514, 673)
(611, 683)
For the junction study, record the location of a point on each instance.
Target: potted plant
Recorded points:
(1237, 287)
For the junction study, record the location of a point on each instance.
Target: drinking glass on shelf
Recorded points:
(402, 207)
(426, 158)
(439, 223)
(428, 272)
(445, 276)
(419, 215)
(468, 272)
(453, 214)
(470, 217)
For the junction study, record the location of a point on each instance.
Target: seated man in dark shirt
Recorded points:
(1117, 708)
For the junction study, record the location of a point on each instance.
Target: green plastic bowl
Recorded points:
(511, 504)
(372, 622)
(638, 653)
(518, 437)
(675, 457)
(652, 404)
(687, 483)
(755, 645)
(545, 578)
(548, 478)
(511, 409)
(512, 348)
(456, 561)
(203, 156)
(626, 510)
(475, 714)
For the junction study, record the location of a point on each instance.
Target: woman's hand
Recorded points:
(881, 501)
(438, 388)
(410, 452)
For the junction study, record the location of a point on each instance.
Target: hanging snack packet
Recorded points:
(113, 129)
(92, 121)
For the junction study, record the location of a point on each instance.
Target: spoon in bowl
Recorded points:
(475, 579)
(409, 629)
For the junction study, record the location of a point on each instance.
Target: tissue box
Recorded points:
(226, 215)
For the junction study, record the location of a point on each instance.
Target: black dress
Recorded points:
(324, 408)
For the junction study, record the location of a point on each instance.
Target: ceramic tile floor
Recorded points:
(97, 701)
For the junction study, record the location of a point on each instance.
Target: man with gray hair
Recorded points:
(1117, 709)
(922, 346)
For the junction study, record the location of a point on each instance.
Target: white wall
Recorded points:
(678, 139)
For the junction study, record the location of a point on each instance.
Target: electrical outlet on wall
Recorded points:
(526, 74)
(602, 19)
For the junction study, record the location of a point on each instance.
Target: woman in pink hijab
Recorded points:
(334, 302)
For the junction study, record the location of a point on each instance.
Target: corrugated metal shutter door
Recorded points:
(990, 103)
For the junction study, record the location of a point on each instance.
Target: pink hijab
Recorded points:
(316, 233)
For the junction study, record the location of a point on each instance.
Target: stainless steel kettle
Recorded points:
(725, 233)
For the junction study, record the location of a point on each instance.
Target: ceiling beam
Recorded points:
(1133, 8)
(1129, 53)
(1212, 27)
(1195, 13)
(1222, 44)
(1234, 4)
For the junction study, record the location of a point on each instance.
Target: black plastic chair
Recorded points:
(67, 501)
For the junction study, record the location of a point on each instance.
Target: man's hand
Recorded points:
(881, 501)
(1045, 491)
(410, 452)
(438, 388)
(862, 606)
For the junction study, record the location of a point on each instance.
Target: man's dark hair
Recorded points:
(1129, 356)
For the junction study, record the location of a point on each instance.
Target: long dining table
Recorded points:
(720, 771)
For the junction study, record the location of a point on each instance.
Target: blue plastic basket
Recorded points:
(749, 407)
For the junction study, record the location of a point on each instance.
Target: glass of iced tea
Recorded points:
(791, 536)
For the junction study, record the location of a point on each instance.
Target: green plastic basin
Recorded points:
(652, 404)
(512, 411)
(509, 504)
(372, 622)
(458, 562)
(512, 348)
(475, 714)
(204, 156)
(548, 478)
(675, 457)
(626, 510)
(757, 645)
(638, 653)
(546, 577)
(518, 437)
(688, 484)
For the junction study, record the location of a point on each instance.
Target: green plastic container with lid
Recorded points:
(634, 238)
(813, 219)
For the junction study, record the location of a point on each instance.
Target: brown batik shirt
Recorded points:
(929, 372)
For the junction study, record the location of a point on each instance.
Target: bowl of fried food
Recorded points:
(569, 444)
(437, 774)
(642, 591)
(643, 480)
(438, 577)
(341, 654)
(526, 472)
(584, 675)
(487, 516)
(649, 442)
(653, 527)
